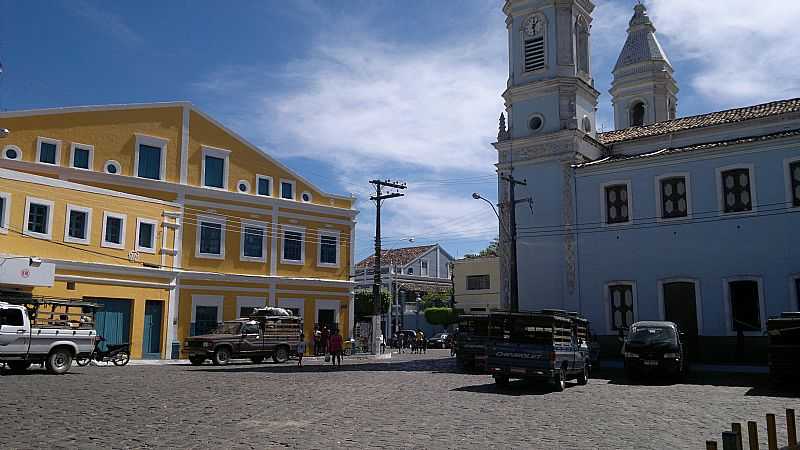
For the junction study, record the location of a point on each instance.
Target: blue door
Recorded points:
(113, 320)
(205, 320)
(151, 341)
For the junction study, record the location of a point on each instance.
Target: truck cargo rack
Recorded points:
(55, 312)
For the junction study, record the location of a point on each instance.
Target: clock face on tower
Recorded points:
(532, 26)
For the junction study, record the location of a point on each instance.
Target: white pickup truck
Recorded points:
(53, 333)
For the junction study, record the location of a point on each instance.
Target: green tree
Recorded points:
(365, 306)
(435, 300)
(441, 316)
(490, 250)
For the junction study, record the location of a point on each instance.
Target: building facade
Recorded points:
(407, 274)
(170, 220)
(688, 219)
(476, 284)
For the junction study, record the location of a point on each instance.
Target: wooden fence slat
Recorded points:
(772, 439)
(752, 435)
(737, 428)
(791, 429)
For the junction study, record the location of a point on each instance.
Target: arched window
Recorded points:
(582, 43)
(671, 110)
(637, 114)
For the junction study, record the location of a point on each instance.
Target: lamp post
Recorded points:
(511, 237)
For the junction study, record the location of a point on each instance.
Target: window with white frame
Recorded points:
(151, 157)
(287, 189)
(674, 197)
(263, 185)
(38, 218)
(114, 230)
(146, 235)
(215, 168)
(306, 197)
(617, 203)
(48, 151)
(410, 271)
(12, 152)
(745, 305)
(737, 194)
(328, 248)
(112, 167)
(424, 269)
(210, 237)
(78, 226)
(5, 209)
(81, 156)
(637, 111)
(621, 307)
(794, 182)
(293, 245)
(252, 241)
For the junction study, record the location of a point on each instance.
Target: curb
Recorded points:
(169, 362)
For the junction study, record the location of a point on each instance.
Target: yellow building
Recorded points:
(169, 219)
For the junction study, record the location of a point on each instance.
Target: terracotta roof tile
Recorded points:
(703, 120)
(694, 147)
(396, 256)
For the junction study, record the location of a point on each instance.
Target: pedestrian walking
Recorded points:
(382, 341)
(317, 341)
(301, 349)
(335, 347)
(420, 340)
(326, 336)
(401, 343)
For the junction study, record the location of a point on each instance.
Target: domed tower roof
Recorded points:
(642, 44)
(643, 90)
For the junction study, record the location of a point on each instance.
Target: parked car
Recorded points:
(52, 332)
(549, 346)
(654, 348)
(257, 338)
(439, 340)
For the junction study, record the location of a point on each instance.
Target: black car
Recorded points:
(654, 348)
(439, 340)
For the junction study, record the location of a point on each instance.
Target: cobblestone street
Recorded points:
(408, 401)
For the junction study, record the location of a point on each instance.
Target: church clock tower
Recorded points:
(551, 107)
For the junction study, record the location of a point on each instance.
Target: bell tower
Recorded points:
(644, 90)
(550, 86)
(551, 104)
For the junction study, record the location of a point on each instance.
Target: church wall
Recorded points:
(545, 105)
(708, 249)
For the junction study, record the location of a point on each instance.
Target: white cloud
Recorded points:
(368, 103)
(111, 22)
(741, 52)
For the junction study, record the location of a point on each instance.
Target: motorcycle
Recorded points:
(119, 354)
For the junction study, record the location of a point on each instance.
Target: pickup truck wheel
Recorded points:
(197, 360)
(221, 357)
(281, 355)
(122, 358)
(583, 378)
(257, 359)
(18, 366)
(59, 361)
(561, 380)
(501, 380)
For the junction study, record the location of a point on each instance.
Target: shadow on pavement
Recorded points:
(759, 384)
(515, 388)
(441, 365)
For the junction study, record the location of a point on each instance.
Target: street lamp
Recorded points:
(477, 196)
(510, 235)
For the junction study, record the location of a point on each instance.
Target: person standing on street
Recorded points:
(335, 347)
(401, 343)
(301, 349)
(326, 337)
(382, 341)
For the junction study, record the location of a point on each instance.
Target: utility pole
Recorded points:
(378, 198)
(512, 202)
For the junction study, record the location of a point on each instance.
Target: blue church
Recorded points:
(688, 219)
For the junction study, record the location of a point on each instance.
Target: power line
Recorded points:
(617, 228)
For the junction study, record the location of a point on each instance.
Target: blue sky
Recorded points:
(345, 91)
